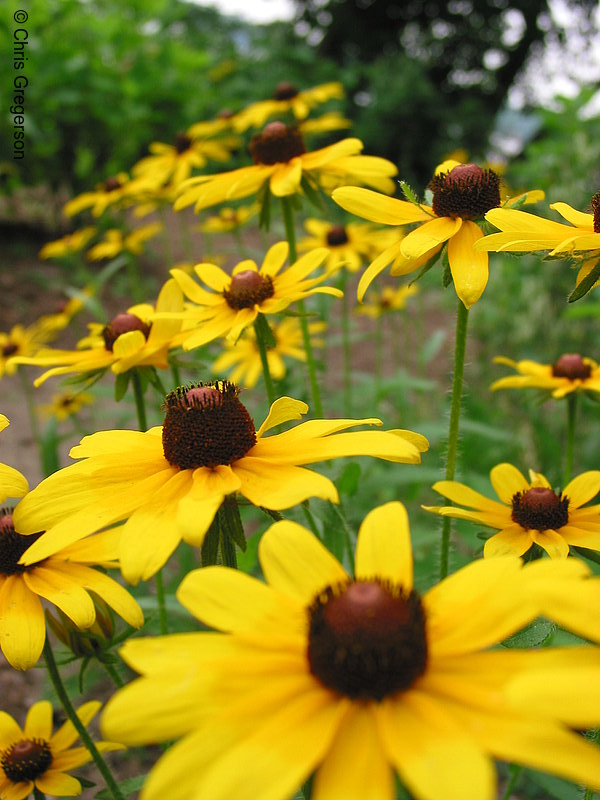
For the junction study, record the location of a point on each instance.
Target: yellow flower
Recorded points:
(529, 512)
(37, 757)
(349, 245)
(387, 300)
(65, 405)
(287, 98)
(282, 164)
(332, 121)
(115, 242)
(172, 164)
(119, 191)
(23, 341)
(170, 481)
(229, 219)
(241, 360)
(356, 679)
(570, 373)
(64, 577)
(12, 483)
(462, 193)
(234, 301)
(129, 340)
(67, 245)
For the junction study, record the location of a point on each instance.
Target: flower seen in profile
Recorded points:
(241, 360)
(36, 758)
(387, 300)
(169, 482)
(118, 191)
(287, 98)
(68, 244)
(284, 167)
(569, 373)
(115, 242)
(232, 302)
(130, 340)
(462, 194)
(529, 512)
(356, 679)
(229, 219)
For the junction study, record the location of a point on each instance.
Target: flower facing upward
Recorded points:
(170, 481)
(129, 340)
(462, 193)
(37, 757)
(282, 163)
(529, 512)
(234, 301)
(357, 678)
(350, 246)
(569, 373)
(64, 577)
(241, 360)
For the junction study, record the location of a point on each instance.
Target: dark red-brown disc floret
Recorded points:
(466, 191)
(540, 509)
(596, 211)
(571, 366)
(182, 142)
(367, 639)
(123, 323)
(277, 144)
(248, 288)
(285, 91)
(26, 760)
(337, 236)
(13, 545)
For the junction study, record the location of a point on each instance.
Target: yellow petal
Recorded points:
(582, 488)
(383, 548)
(513, 541)
(459, 493)
(12, 483)
(378, 265)
(552, 542)
(282, 410)
(578, 218)
(286, 178)
(10, 732)
(58, 784)
(278, 485)
(38, 723)
(22, 625)
(55, 581)
(469, 267)
(66, 734)
(377, 207)
(296, 563)
(128, 344)
(507, 481)
(213, 276)
(274, 259)
(429, 236)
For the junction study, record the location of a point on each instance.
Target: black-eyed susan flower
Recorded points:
(232, 302)
(12, 482)
(115, 242)
(387, 300)
(241, 360)
(282, 164)
(130, 340)
(350, 245)
(462, 194)
(169, 482)
(69, 244)
(229, 219)
(27, 340)
(118, 191)
(570, 373)
(65, 577)
(287, 98)
(38, 758)
(529, 512)
(65, 404)
(355, 679)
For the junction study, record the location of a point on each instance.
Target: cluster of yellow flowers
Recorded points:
(343, 672)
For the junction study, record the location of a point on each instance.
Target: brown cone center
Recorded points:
(206, 426)
(248, 288)
(337, 235)
(277, 144)
(540, 509)
(12, 546)
(285, 91)
(571, 366)
(26, 760)
(467, 191)
(367, 640)
(596, 211)
(123, 323)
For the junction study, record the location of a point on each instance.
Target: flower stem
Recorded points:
(138, 396)
(462, 318)
(346, 346)
(112, 672)
(288, 221)
(570, 448)
(86, 739)
(378, 356)
(231, 532)
(515, 774)
(262, 331)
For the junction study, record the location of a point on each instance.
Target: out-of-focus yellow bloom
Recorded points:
(287, 99)
(115, 242)
(389, 299)
(69, 244)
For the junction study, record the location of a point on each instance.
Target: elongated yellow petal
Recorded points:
(277, 485)
(578, 218)
(582, 488)
(22, 625)
(38, 723)
(53, 580)
(430, 235)
(12, 483)
(58, 784)
(507, 481)
(378, 265)
(284, 409)
(552, 542)
(111, 592)
(379, 208)
(296, 563)
(462, 494)
(128, 344)
(469, 267)
(383, 548)
(66, 734)
(274, 259)
(285, 180)
(10, 731)
(512, 541)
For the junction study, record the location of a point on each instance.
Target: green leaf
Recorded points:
(349, 480)
(586, 284)
(533, 635)
(263, 329)
(121, 384)
(409, 193)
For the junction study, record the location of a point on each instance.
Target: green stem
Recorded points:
(570, 448)
(261, 340)
(462, 318)
(86, 739)
(311, 520)
(161, 603)
(346, 346)
(288, 221)
(515, 774)
(114, 675)
(138, 395)
(378, 355)
(231, 532)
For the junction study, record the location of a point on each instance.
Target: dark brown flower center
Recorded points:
(247, 289)
(123, 323)
(595, 202)
(285, 91)
(337, 235)
(540, 509)
(206, 425)
(182, 142)
(13, 545)
(26, 760)
(571, 366)
(467, 191)
(277, 144)
(367, 639)
(10, 349)
(112, 184)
